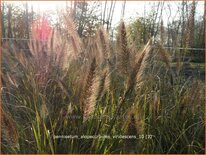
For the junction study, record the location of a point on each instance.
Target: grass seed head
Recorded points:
(123, 50)
(9, 132)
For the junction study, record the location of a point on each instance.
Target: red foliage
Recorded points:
(41, 29)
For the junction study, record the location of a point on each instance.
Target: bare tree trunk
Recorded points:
(83, 8)
(191, 25)
(144, 33)
(9, 22)
(112, 13)
(123, 9)
(27, 21)
(183, 37)
(168, 27)
(104, 12)
(154, 21)
(160, 17)
(108, 18)
(162, 33)
(2, 20)
(204, 22)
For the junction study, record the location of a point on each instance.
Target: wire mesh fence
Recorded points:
(193, 59)
(185, 53)
(166, 47)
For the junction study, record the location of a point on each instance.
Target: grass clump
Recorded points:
(67, 86)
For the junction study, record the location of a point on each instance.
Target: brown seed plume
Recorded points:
(164, 55)
(138, 68)
(9, 132)
(103, 83)
(133, 129)
(104, 43)
(166, 58)
(86, 105)
(73, 35)
(123, 50)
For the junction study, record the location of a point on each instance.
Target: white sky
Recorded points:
(133, 8)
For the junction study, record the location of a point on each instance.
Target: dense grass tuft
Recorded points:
(67, 86)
